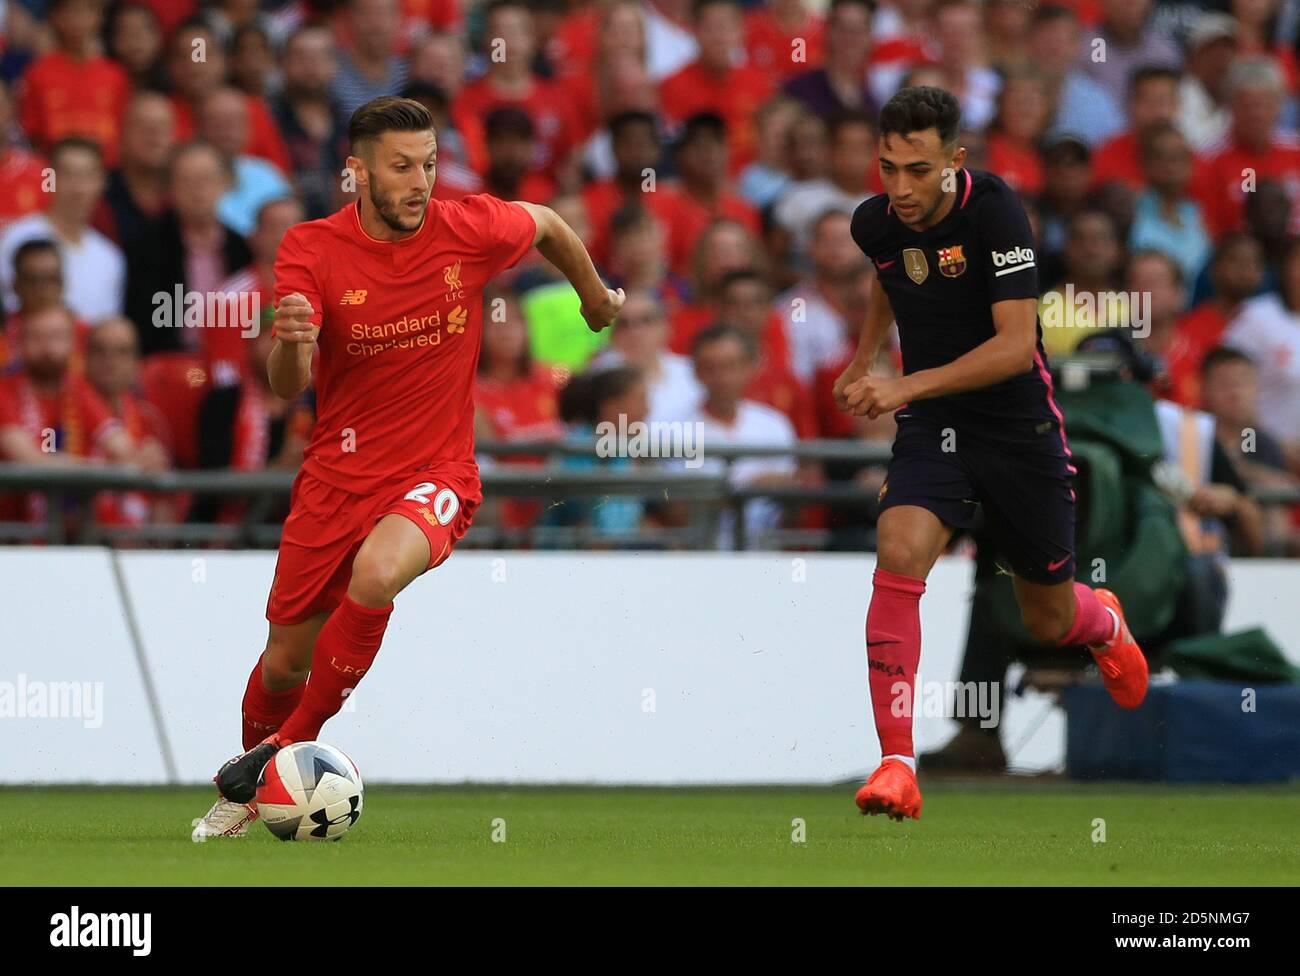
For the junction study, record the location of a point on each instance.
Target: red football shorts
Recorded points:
(326, 526)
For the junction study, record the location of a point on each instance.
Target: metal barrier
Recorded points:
(705, 494)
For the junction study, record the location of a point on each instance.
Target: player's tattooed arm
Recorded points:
(1009, 353)
(880, 315)
(557, 242)
(289, 366)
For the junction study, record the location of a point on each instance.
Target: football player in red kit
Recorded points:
(389, 289)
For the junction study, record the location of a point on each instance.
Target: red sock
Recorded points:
(265, 711)
(1093, 623)
(345, 649)
(893, 652)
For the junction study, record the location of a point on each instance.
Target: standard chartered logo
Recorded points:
(407, 332)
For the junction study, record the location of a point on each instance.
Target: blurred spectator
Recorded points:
(510, 81)
(315, 131)
(1268, 220)
(763, 180)
(1066, 174)
(1156, 283)
(113, 369)
(955, 30)
(1152, 98)
(839, 85)
(821, 312)
(223, 122)
(511, 149)
(1254, 150)
(368, 65)
(455, 177)
(746, 302)
(634, 137)
(196, 63)
(514, 398)
(1006, 31)
(615, 396)
(1236, 270)
(51, 415)
(1086, 299)
(1017, 129)
(74, 90)
(1267, 329)
(724, 246)
(225, 349)
(1166, 218)
(1126, 40)
(852, 141)
(701, 158)
(638, 258)
(92, 264)
(136, 190)
(1203, 97)
(253, 67)
(1229, 392)
(23, 186)
(783, 37)
(640, 339)
(715, 83)
(187, 247)
(1257, 35)
(725, 359)
(1081, 107)
(38, 286)
(133, 38)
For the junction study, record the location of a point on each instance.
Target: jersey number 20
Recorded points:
(445, 504)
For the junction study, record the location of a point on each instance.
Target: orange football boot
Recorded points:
(1122, 663)
(892, 790)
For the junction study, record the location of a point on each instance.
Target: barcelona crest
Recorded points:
(952, 261)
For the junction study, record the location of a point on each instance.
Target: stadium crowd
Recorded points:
(710, 152)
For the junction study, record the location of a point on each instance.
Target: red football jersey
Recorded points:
(401, 325)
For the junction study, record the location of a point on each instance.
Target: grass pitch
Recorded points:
(1004, 833)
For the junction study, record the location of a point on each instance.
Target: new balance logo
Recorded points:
(1017, 259)
(353, 296)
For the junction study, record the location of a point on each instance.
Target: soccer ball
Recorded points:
(309, 791)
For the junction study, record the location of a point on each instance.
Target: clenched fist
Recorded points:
(293, 320)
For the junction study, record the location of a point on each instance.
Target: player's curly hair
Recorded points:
(919, 108)
(388, 113)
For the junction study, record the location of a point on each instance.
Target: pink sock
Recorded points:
(1093, 623)
(893, 653)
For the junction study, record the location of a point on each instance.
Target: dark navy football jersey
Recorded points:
(942, 283)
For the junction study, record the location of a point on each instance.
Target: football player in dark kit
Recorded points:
(977, 421)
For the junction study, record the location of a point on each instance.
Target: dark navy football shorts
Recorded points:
(1026, 489)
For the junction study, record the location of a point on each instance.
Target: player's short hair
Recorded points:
(919, 108)
(387, 113)
(720, 333)
(1222, 356)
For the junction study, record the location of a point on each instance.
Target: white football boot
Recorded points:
(225, 819)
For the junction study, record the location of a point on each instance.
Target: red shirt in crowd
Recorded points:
(1221, 192)
(771, 47)
(62, 96)
(264, 139)
(736, 96)
(22, 185)
(553, 120)
(401, 325)
(1020, 167)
